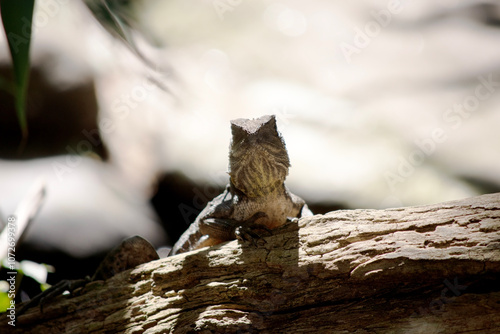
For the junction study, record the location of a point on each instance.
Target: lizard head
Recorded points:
(258, 159)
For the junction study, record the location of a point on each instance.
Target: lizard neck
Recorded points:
(268, 191)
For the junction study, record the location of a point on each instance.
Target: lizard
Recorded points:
(130, 253)
(256, 196)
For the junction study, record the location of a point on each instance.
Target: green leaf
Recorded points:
(4, 300)
(17, 18)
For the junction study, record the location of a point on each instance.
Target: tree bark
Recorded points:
(425, 269)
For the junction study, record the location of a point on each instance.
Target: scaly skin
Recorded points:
(130, 253)
(256, 196)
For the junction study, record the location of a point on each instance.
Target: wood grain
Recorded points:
(425, 269)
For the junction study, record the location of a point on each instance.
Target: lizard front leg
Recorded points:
(225, 229)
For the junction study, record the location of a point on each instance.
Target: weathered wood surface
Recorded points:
(427, 269)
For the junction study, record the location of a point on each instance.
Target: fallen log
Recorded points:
(424, 269)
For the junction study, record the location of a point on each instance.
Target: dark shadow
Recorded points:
(55, 115)
(266, 300)
(178, 201)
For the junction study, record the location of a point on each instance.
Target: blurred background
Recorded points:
(381, 104)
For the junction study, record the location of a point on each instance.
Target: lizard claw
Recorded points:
(50, 293)
(247, 230)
